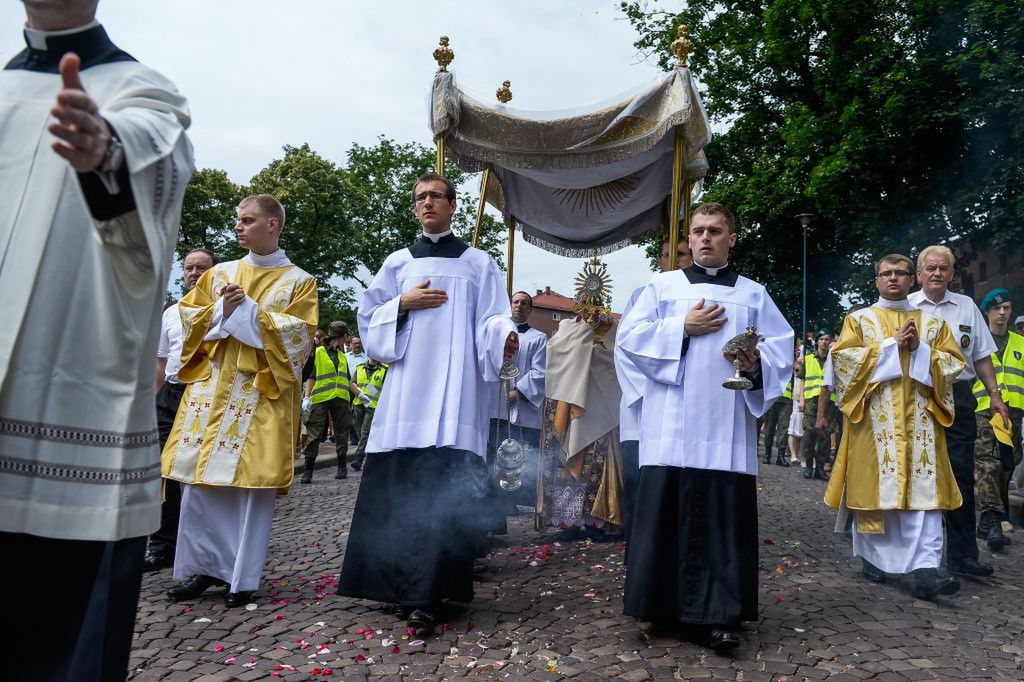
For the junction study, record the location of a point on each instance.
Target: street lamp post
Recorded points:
(805, 221)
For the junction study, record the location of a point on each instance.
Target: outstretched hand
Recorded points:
(82, 133)
(701, 320)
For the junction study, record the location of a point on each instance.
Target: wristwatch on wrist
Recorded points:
(113, 158)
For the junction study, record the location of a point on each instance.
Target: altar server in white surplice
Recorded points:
(438, 314)
(517, 411)
(693, 543)
(93, 166)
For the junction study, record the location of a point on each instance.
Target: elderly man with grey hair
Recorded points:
(935, 268)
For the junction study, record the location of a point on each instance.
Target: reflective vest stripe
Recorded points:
(330, 382)
(813, 375)
(1009, 376)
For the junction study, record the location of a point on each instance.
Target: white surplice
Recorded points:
(532, 364)
(82, 301)
(443, 361)
(689, 419)
(631, 381)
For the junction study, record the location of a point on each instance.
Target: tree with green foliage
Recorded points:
(381, 180)
(341, 222)
(897, 123)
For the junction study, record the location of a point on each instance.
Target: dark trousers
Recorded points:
(960, 523)
(79, 597)
(163, 541)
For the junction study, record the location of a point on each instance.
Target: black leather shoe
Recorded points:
(808, 471)
(722, 640)
(781, 461)
(422, 623)
(307, 477)
(820, 474)
(971, 567)
(342, 472)
(194, 587)
(767, 454)
(995, 539)
(872, 572)
(236, 599)
(928, 583)
(356, 466)
(983, 526)
(156, 561)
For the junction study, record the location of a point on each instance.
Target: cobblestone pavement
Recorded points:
(550, 611)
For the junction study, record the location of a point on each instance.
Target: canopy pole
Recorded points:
(677, 182)
(440, 155)
(484, 182)
(687, 208)
(511, 256)
(444, 56)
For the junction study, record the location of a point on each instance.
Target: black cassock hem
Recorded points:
(416, 527)
(693, 547)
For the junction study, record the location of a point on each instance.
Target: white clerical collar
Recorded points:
(903, 304)
(36, 39)
(711, 271)
(437, 237)
(271, 260)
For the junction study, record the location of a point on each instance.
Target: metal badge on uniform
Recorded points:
(965, 340)
(965, 328)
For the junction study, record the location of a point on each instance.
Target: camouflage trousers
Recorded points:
(994, 464)
(818, 445)
(316, 426)
(776, 424)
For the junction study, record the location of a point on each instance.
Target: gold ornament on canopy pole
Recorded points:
(444, 56)
(504, 93)
(682, 46)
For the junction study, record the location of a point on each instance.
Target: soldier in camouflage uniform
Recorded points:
(817, 442)
(995, 459)
(776, 428)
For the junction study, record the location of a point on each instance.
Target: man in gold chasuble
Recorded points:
(248, 326)
(893, 370)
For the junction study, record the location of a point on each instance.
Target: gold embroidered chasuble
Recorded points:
(239, 417)
(893, 453)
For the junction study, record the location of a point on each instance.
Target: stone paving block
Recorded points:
(819, 618)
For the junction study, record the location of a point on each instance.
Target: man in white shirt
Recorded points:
(168, 398)
(355, 356)
(934, 273)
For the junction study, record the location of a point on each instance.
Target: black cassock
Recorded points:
(693, 551)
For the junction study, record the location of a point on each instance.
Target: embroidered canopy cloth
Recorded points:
(578, 180)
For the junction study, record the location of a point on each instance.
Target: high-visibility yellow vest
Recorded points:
(814, 374)
(788, 393)
(329, 381)
(371, 383)
(1009, 376)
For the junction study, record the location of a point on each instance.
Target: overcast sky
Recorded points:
(260, 74)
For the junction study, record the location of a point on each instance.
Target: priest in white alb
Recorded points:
(693, 542)
(248, 326)
(94, 161)
(438, 314)
(893, 371)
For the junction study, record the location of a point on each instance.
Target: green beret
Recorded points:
(995, 297)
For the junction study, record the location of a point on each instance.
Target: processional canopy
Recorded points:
(580, 181)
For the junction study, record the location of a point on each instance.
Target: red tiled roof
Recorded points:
(553, 301)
